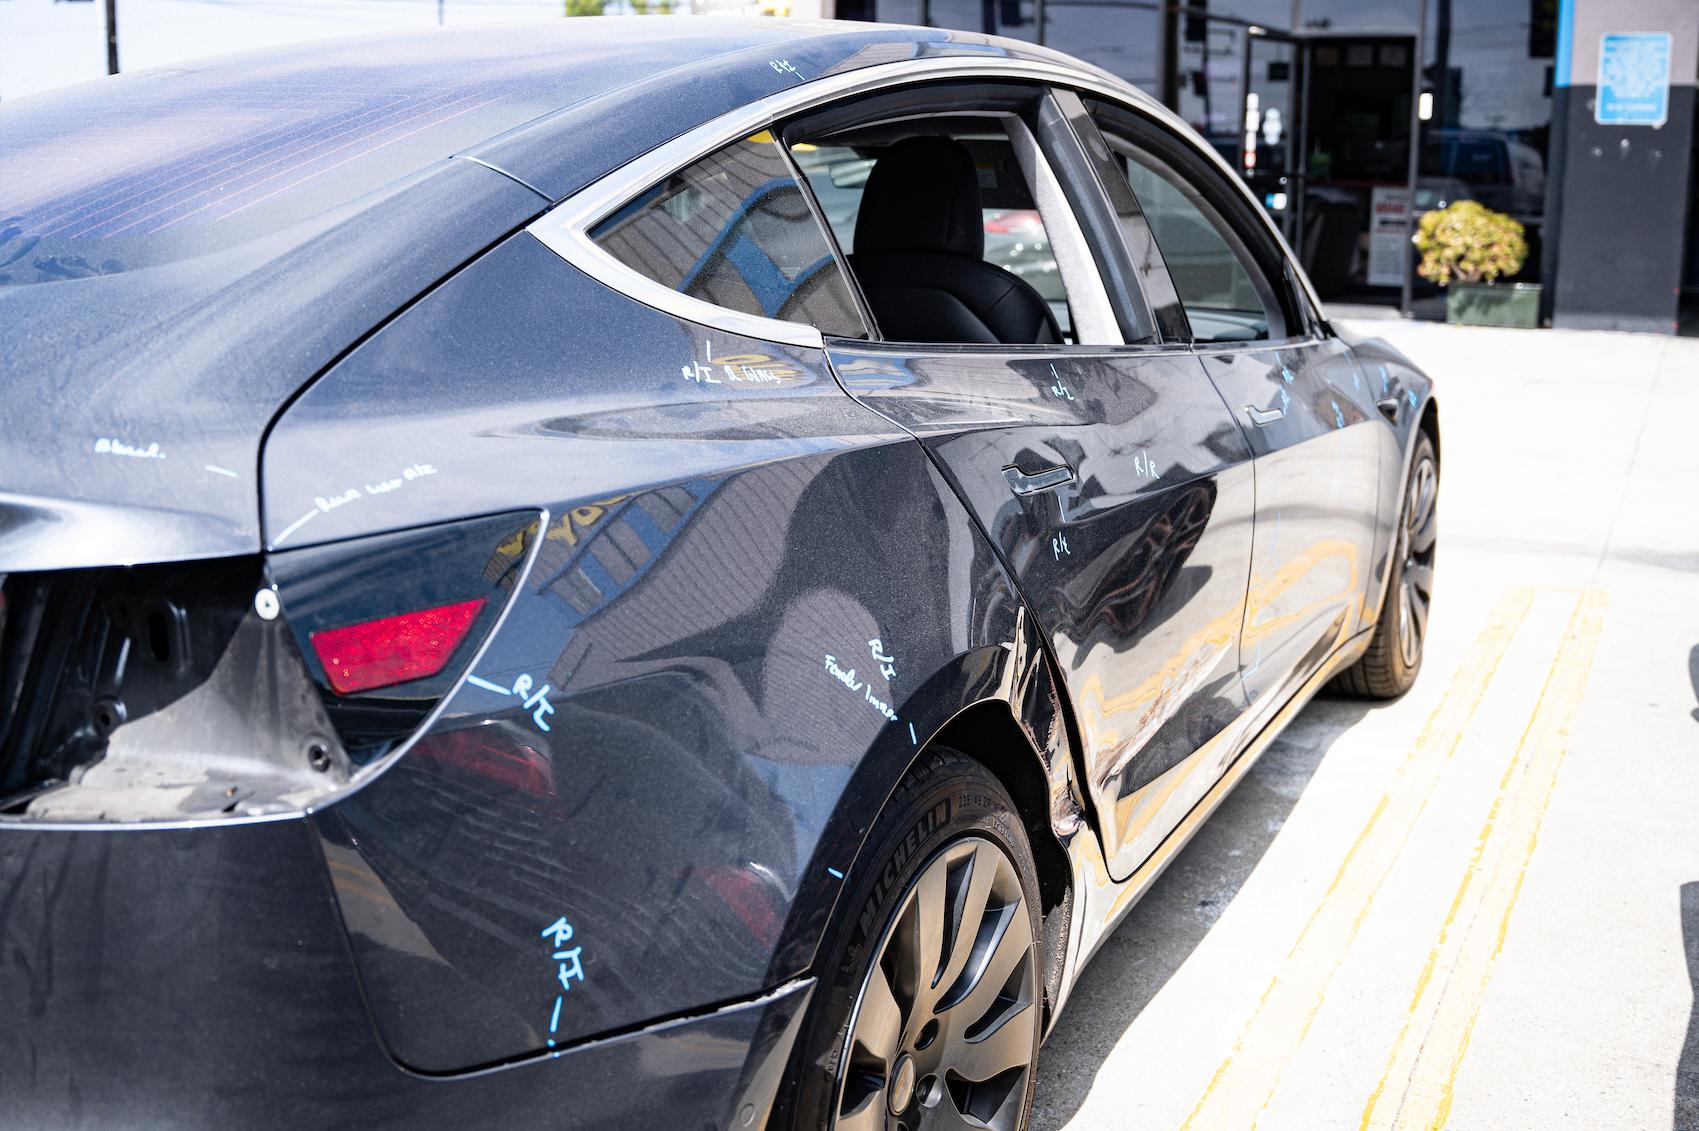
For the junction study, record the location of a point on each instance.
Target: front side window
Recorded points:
(735, 230)
(1224, 293)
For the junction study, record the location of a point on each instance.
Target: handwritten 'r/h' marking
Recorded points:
(538, 704)
(569, 967)
(1059, 389)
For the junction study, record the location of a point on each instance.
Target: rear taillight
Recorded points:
(395, 649)
(388, 624)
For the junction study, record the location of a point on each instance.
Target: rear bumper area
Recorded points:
(199, 978)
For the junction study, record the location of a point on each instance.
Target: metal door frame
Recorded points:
(1292, 224)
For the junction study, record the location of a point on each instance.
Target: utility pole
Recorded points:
(111, 37)
(1407, 257)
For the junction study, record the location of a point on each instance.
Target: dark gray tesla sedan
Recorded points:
(550, 581)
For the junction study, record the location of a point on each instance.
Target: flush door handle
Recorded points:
(1264, 416)
(1021, 483)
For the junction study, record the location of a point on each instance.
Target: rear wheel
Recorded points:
(928, 1012)
(1389, 667)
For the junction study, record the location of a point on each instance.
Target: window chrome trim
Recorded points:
(565, 228)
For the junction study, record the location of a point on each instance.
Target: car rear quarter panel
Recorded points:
(748, 591)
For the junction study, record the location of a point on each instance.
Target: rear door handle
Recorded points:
(1023, 484)
(1263, 416)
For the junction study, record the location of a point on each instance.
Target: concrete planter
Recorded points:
(1516, 305)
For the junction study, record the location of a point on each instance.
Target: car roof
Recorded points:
(161, 164)
(183, 250)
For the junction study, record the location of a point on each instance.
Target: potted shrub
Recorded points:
(1466, 247)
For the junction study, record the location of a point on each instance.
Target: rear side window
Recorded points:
(736, 230)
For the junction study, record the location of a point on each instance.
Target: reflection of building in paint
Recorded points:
(735, 230)
(595, 552)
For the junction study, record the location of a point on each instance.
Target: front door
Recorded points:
(1297, 393)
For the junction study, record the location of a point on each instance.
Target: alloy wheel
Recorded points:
(1417, 539)
(946, 1023)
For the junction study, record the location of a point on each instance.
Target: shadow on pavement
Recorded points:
(1161, 932)
(1687, 1068)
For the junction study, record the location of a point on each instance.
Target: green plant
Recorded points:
(640, 7)
(1468, 242)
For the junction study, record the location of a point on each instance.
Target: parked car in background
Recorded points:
(1496, 169)
(641, 573)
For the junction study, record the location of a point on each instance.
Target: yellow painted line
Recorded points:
(1415, 1090)
(1249, 1075)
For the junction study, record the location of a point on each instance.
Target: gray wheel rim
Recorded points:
(944, 1027)
(1417, 540)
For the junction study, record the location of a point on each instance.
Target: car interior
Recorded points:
(941, 230)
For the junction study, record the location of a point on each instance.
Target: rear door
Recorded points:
(1111, 477)
(1297, 390)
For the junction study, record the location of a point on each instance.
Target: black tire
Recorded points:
(1388, 669)
(949, 818)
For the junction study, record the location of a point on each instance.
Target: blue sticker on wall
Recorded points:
(1634, 79)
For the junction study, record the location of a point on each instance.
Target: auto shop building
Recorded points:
(1574, 116)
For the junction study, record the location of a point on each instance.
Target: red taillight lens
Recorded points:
(391, 650)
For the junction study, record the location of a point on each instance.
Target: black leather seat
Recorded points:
(919, 254)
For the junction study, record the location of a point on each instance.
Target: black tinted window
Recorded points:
(735, 230)
(1225, 290)
(1213, 283)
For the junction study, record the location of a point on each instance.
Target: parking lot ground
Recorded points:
(1476, 907)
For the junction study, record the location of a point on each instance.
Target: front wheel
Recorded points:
(1388, 669)
(929, 1007)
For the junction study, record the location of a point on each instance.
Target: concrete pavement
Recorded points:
(1477, 907)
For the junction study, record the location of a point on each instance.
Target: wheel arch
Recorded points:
(1008, 716)
(990, 733)
(1429, 424)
